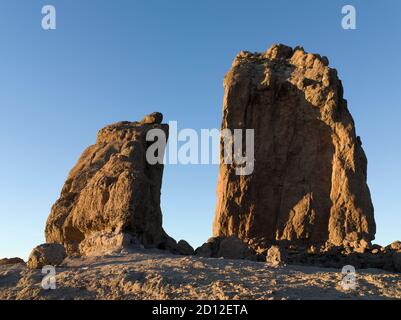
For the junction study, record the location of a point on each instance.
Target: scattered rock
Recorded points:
(294, 102)
(185, 248)
(276, 256)
(10, 261)
(46, 254)
(111, 197)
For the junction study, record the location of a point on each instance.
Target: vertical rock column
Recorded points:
(309, 180)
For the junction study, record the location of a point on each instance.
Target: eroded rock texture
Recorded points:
(309, 179)
(111, 198)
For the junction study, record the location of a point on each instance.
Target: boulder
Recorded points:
(168, 244)
(226, 247)
(184, 248)
(396, 246)
(51, 254)
(308, 182)
(233, 248)
(111, 197)
(205, 250)
(11, 261)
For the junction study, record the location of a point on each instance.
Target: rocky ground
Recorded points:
(153, 274)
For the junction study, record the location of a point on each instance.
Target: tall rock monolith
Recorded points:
(310, 171)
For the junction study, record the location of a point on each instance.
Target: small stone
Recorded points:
(46, 254)
(375, 251)
(313, 250)
(276, 256)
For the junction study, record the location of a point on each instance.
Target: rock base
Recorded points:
(330, 256)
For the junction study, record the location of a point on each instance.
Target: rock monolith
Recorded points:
(111, 198)
(310, 171)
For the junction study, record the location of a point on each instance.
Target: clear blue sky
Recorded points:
(118, 60)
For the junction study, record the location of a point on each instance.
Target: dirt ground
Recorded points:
(155, 275)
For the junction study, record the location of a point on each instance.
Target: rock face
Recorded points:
(111, 198)
(46, 254)
(309, 178)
